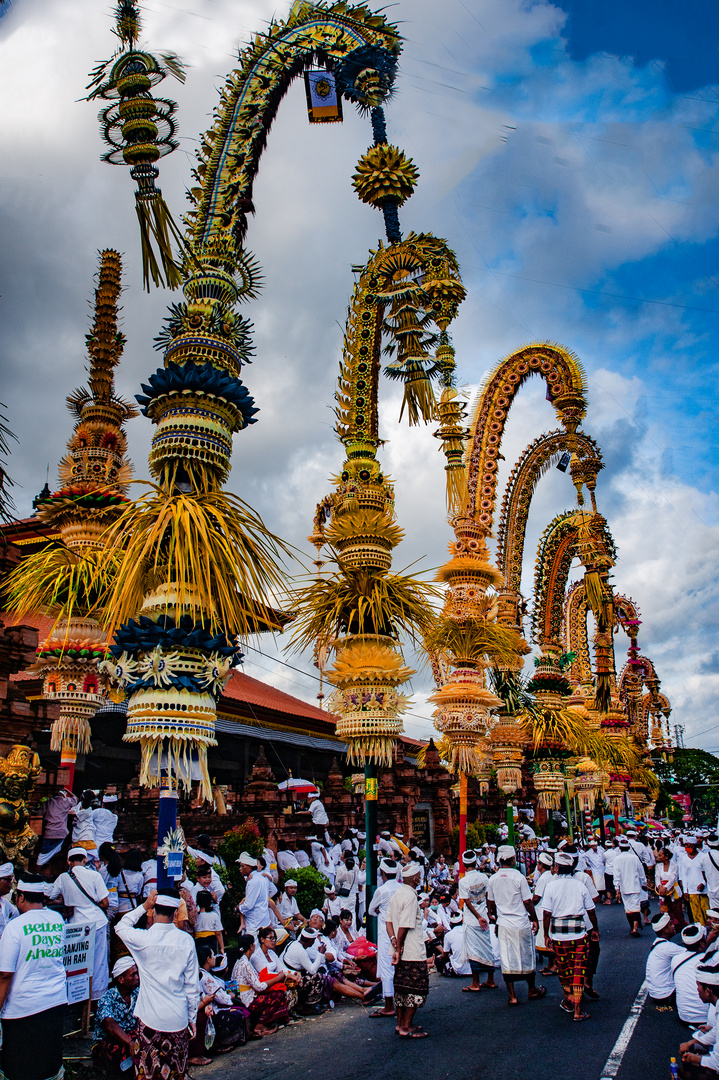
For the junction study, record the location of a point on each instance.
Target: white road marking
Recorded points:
(614, 1060)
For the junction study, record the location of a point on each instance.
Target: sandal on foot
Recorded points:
(582, 1016)
(380, 1014)
(471, 989)
(513, 1002)
(540, 992)
(413, 1034)
(565, 1007)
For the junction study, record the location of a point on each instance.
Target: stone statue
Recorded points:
(18, 773)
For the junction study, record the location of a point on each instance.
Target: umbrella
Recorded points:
(297, 786)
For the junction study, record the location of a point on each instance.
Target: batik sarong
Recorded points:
(269, 1007)
(32, 1046)
(231, 1026)
(160, 1055)
(411, 984)
(571, 960)
(516, 950)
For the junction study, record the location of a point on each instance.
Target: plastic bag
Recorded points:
(209, 1034)
(361, 947)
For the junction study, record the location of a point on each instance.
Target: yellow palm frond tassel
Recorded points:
(71, 733)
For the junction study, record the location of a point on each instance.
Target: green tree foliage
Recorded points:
(310, 888)
(693, 772)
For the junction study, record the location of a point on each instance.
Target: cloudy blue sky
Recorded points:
(568, 152)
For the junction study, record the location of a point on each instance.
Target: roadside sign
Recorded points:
(78, 957)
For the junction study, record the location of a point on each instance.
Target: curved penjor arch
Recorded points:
(566, 388)
(536, 460)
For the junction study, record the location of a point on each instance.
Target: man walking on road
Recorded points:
(378, 907)
(409, 956)
(509, 902)
(631, 881)
(169, 994)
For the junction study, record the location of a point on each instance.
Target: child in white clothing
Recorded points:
(208, 925)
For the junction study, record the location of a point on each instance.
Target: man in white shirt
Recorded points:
(255, 908)
(83, 825)
(454, 959)
(711, 869)
(169, 995)
(693, 878)
(321, 859)
(8, 911)
(409, 956)
(659, 962)
(702, 1050)
(566, 906)
(33, 993)
(318, 814)
(630, 880)
(83, 890)
(596, 861)
(290, 914)
(285, 858)
(684, 967)
(105, 821)
(509, 903)
(477, 935)
(378, 908)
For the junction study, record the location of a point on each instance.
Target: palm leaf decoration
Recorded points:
(361, 603)
(61, 582)
(512, 689)
(473, 639)
(220, 558)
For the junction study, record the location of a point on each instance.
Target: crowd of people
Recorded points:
(171, 988)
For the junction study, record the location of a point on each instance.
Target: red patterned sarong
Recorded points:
(571, 959)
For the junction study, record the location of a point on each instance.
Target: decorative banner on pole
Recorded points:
(370, 790)
(78, 957)
(324, 105)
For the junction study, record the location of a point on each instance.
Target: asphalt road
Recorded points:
(474, 1035)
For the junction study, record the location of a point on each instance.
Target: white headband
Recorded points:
(661, 921)
(168, 901)
(412, 870)
(77, 852)
(246, 859)
(7, 870)
(123, 964)
(31, 887)
(290, 882)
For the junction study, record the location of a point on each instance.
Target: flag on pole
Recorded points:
(324, 105)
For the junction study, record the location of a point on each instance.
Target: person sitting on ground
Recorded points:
(659, 962)
(208, 925)
(453, 961)
(317, 985)
(684, 966)
(230, 1015)
(267, 963)
(115, 1021)
(700, 1061)
(290, 914)
(267, 1005)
